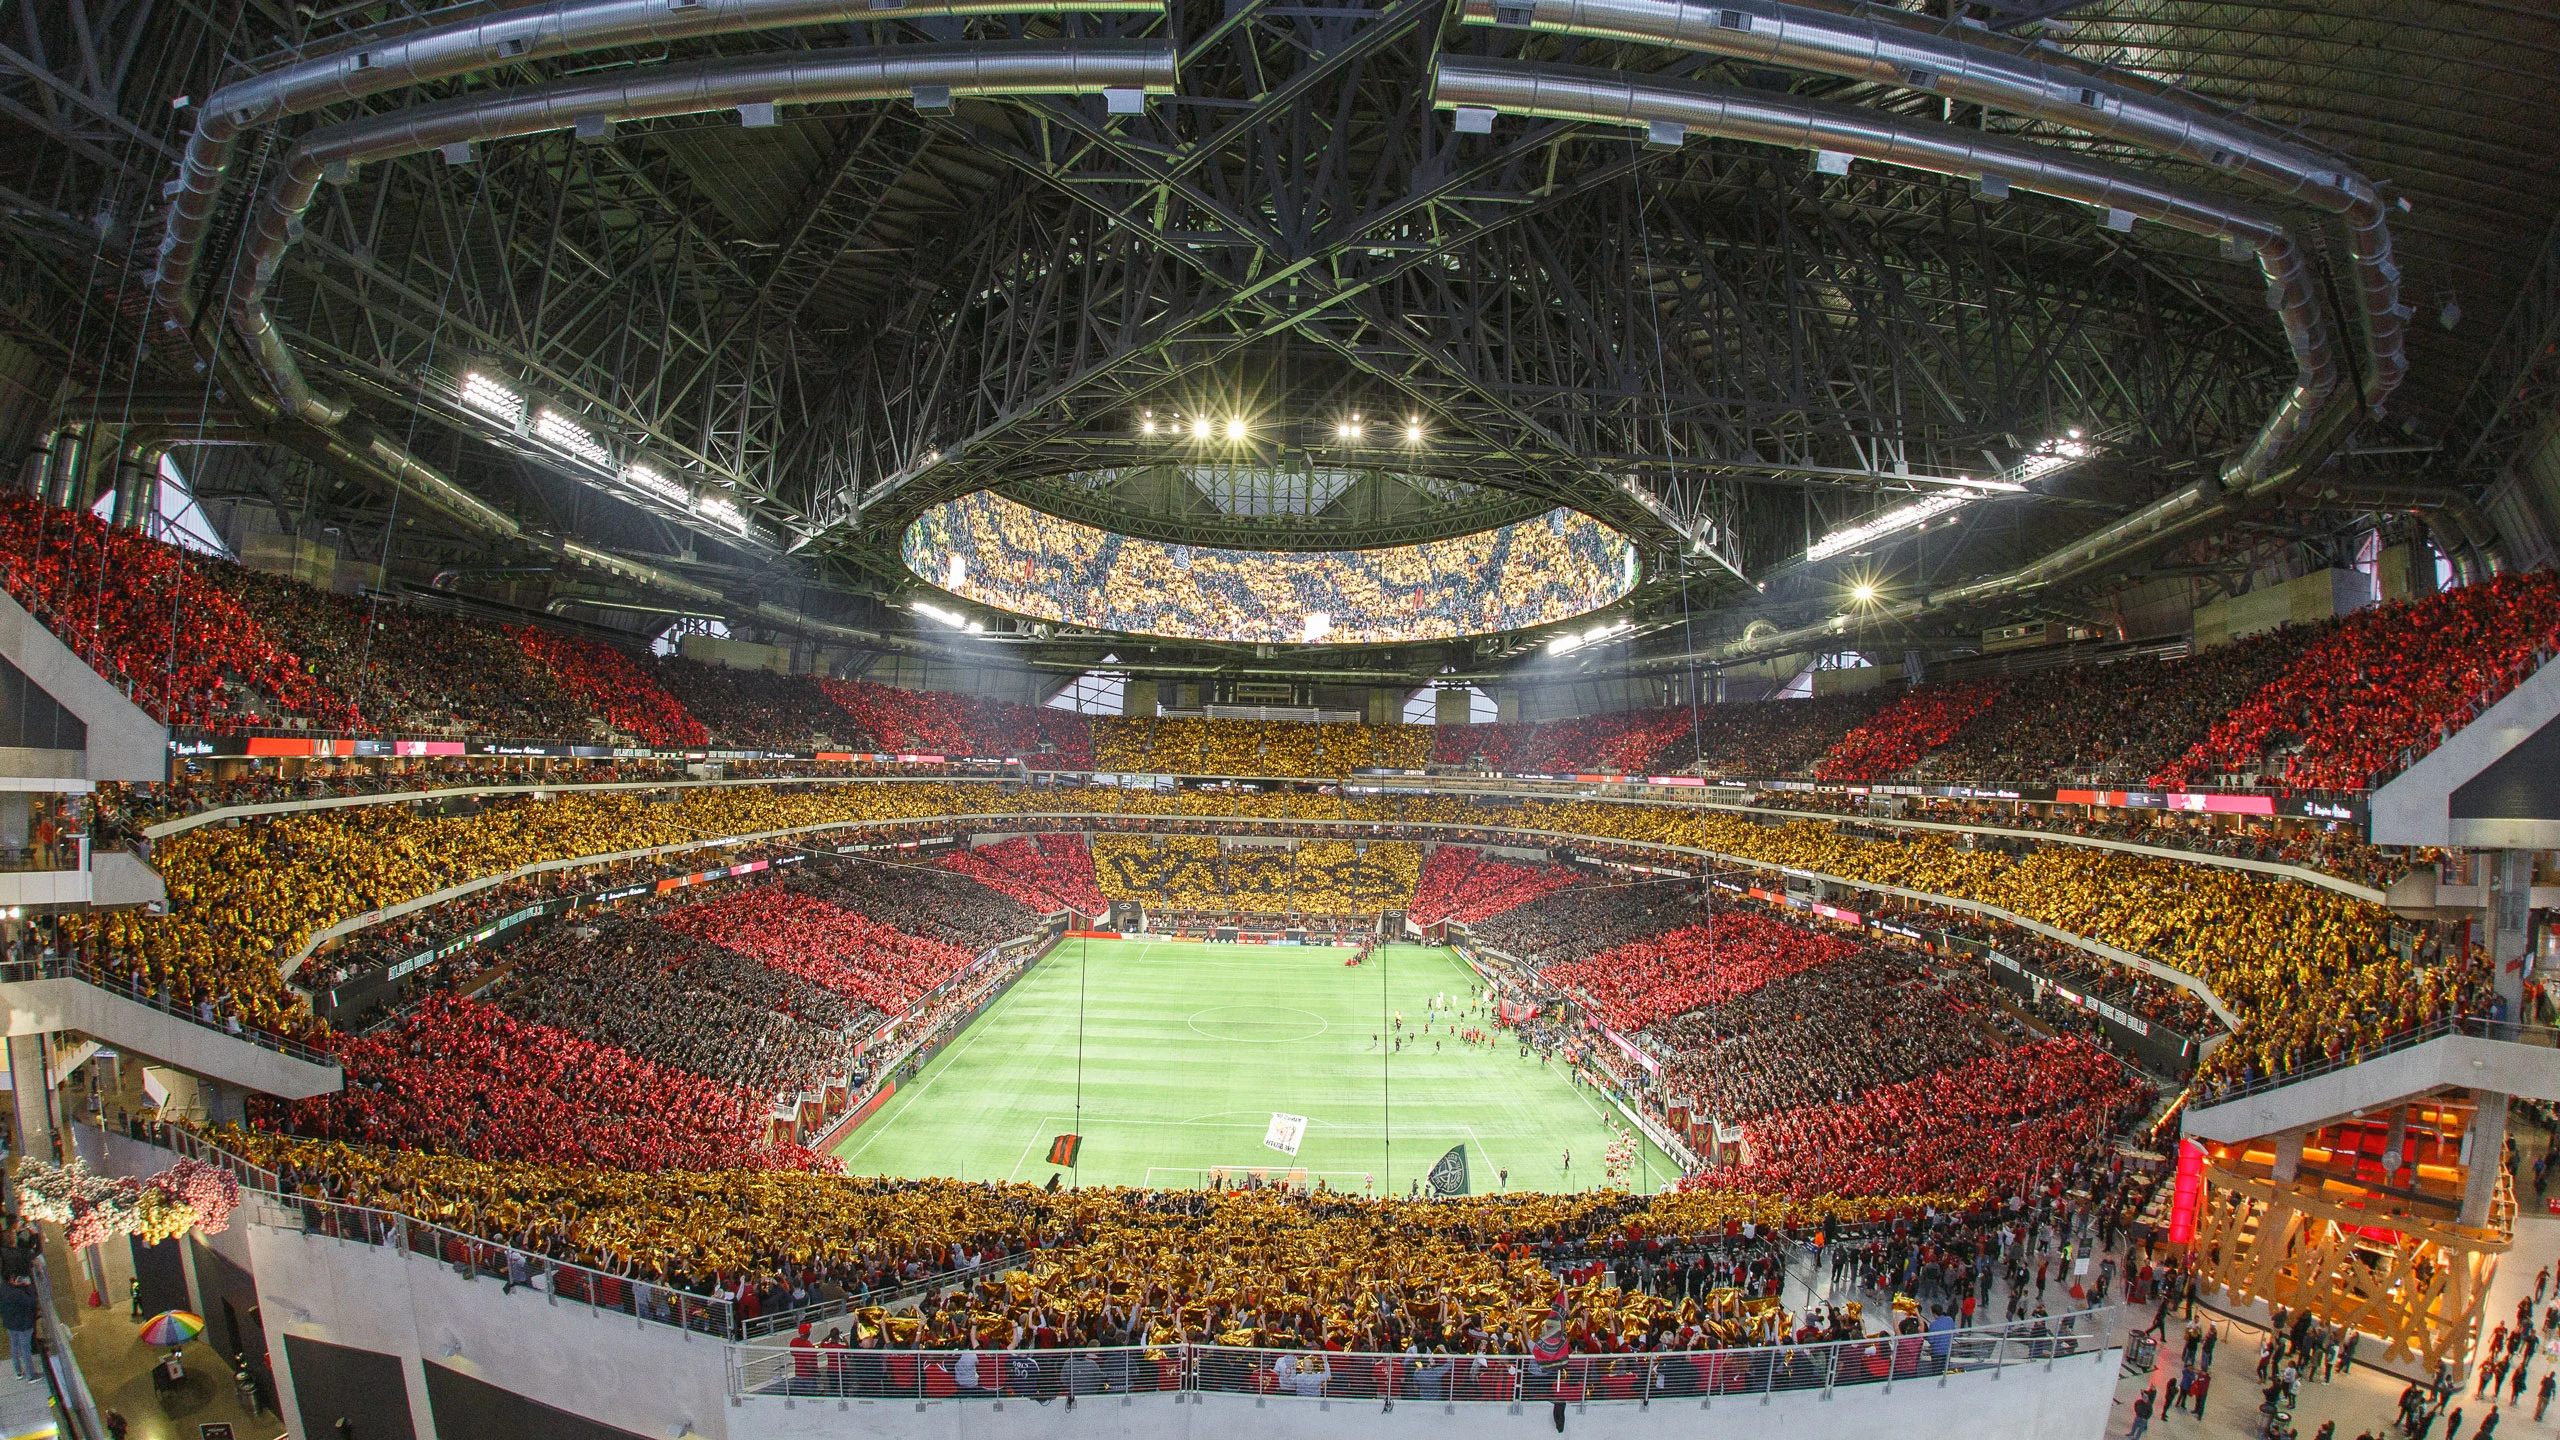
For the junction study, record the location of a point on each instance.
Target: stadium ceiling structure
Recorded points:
(624, 309)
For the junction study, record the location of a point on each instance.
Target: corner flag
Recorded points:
(1062, 1151)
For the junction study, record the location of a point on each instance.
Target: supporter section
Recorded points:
(1465, 885)
(1329, 877)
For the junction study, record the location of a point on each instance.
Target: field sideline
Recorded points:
(1187, 1051)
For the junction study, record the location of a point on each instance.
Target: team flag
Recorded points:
(1449, 1176)
(1062, 1151)
(1552, 1342)
(1286, 1133)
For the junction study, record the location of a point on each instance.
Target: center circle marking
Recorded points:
(1230, 1022)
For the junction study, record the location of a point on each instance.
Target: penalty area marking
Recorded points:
(977, 1030)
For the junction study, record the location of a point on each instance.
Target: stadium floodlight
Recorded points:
(936, 612)
(1318, 625)
(1147, 427)
(1864, 594)
(649, 480)
(1413, 431)
(1235, 427)
(492, 396)
(2045, 459)
(569, 435)
(1891, 522)
(722, 512)
(1199, 427)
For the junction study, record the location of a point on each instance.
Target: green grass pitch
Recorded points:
(1187, 1049)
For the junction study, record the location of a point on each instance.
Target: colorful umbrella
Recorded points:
(172, 1327)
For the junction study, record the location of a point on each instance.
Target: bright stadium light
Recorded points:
(491, 396)
(955, 576)
(1319, 625)
(936, 612)
(723, 512)
(569, 435)
(1891, 522)
(1147, 427)
(650, 481)
(1413, 431)
(1864, 594)
(1200, 427)
(1235, 427)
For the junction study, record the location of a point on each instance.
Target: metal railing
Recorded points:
(2479, 1027)
(796, 1372)
(783, 1322)
(130, 987)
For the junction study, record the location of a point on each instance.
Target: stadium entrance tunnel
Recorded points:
(985, 549)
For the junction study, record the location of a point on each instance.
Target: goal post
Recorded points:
(1253, 1175)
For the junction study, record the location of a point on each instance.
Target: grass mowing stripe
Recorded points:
(1188, 1049)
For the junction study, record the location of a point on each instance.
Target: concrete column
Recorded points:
(2487, 1143)
(33, 1096)
(2509, 874)
(2288, 1156)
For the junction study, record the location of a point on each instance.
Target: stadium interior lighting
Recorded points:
(1200, 427)
(571, 436)
(1147, 427)
(722, 511)
(1235, 427)
(650, 481)
(1567, 644)
(936, 612)
(490, 396)
(1864, 594)
(1413, 430)
(1891, 522)
(2052, 455)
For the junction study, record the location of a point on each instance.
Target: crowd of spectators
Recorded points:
(2117, 723)
(653, 991)
(937, 722)
(1191, 745)
(985, 548)
(1049, 873)
(1621, 743)
(1898, 735)
(462, 1077)
(150, 619)
(1193, 872)
(610, 683)
(754, 709)
(1825, 1034)
(1577, 922)
(2021, 1111)
(2365, 689)
(1466, 885)
(1728, 953)
(849, 955)
(925, 901)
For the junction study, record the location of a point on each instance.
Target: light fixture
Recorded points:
(1235, 427)
(648, 480)
(1413, 430)
(1147, 428)
(491, 396)
(1199, 427)
(557, 428)
(936, 612)
(1864, 594)
(1891, 522)
(722, 511)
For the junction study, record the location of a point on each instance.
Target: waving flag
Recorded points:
(1449, 1176)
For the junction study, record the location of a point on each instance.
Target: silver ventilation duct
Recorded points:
(441, 52)
(648, 93)
(1611, 97)
(1874, 49)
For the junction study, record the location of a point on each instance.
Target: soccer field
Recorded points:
(1188, 1049)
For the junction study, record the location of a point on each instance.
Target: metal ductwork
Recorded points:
(376, 66)
(1611, 97)
(647, 93)
(1873, 48)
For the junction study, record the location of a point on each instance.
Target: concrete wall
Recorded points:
(124, 742)
(2316, 596)
(40, 1007)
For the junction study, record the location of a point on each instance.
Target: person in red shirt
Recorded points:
(805, 1361)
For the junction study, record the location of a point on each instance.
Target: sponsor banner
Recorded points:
(1834, 912)
(1629, 1049)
